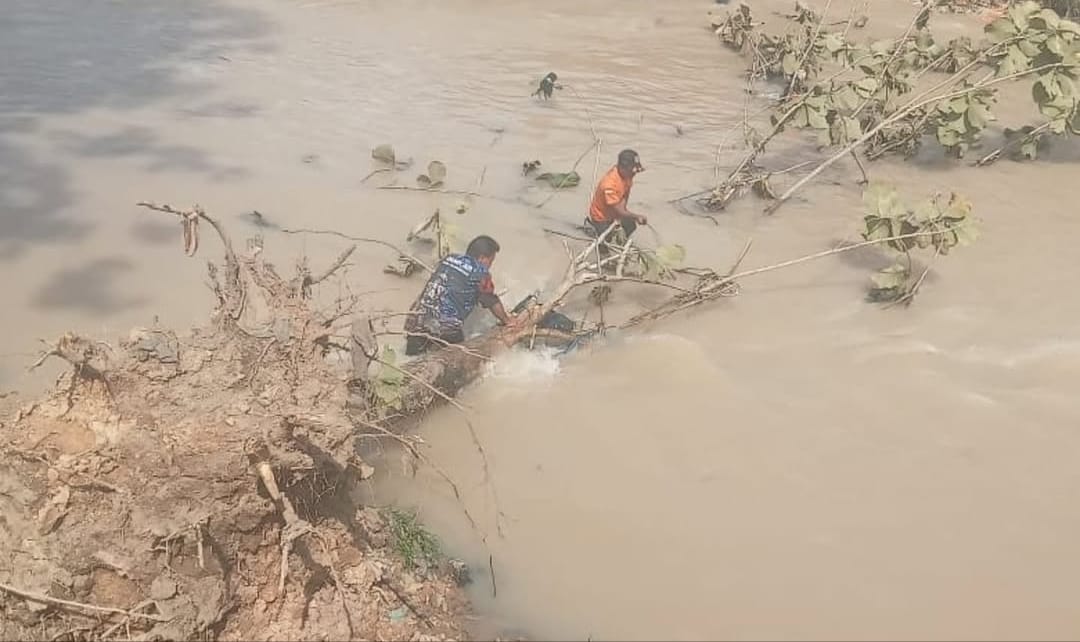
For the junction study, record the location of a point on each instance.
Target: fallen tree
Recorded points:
(203, 485)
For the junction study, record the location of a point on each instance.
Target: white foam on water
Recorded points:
(524, 366)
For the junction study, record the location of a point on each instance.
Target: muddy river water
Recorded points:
(791, 463)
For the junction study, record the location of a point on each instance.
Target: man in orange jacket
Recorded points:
(612, 194)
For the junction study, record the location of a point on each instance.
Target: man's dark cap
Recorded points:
(629, 159)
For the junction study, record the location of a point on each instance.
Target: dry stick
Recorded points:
(608, 278)
(126, 622)
(374, 172)
(409, 188)
(334, 267)
(439, 340)
(201, 214)
(995, 155)
(72, 632)
(897, 116)
(707, 293)
(359, 239)
(494, 586)
(835, 250)
(910, 296)
(45, 599)
(445, 397)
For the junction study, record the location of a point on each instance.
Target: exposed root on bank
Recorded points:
(203, 486)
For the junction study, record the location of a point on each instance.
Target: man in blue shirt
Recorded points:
(458, 283)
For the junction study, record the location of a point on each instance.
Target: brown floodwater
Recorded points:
(790, 463)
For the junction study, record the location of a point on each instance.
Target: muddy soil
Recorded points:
(157, 490)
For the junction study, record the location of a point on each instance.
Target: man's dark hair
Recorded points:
(482, 246)
(629, 159)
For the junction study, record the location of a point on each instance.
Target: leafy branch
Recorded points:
(869, 105)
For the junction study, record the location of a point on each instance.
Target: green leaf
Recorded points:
(1029, 48)
(1014, 61)
(883, 200)
(1046, 20)
(833, 42)
(847, 129)
(1055, 46)
(894, 276)
(965, 234)
(817, 118)
(1022, 12)
(947, 136)
(1069, 27)
(882, 46)
(959, 208)
(559, 180)
(388, 393)
(671, 256)
(817, 101)
(845, 97)
(435, 175)
(389, 356)
(1001, 30)
(979, 116)
(1029, 149)
(926, 211)
(789, 64)
(866, 87)
(384, 154)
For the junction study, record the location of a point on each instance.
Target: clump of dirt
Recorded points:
(201, 485)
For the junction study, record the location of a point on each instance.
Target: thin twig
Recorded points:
(995, 155)
(258, 362)
(334, 267)
(360, 239)
(445, 397)
(910, 295)
(410, 188)
(836, 250)
(738, 261)
(374, 172)
(45, 599)
(439, 340)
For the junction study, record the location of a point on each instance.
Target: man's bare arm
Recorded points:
(493, 303)
(621, 212)
(500, 313)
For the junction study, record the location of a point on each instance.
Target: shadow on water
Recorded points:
(91, 288)
(67, 56)
(143, 144)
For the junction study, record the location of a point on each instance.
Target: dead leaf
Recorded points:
(435, 177)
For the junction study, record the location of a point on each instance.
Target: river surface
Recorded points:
(791, 463)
